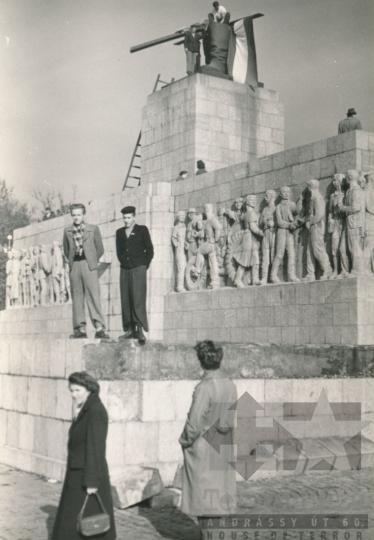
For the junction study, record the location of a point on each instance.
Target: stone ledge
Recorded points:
(127, 361)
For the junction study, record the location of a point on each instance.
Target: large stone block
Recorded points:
(169, 448)
(3, 426)
(26, 437)
(57, 437)
(123, 401)
(116, 444)
(57, 358)
(135, 484)
(13, 429)
(15, 357)
(42, 358)
(4, 355)
(74, 356)
(20, 387)
(64, 404)
(8, 392)
(49, 397)
(141, 442)
(34, 396)
(41, 435)
(158, 401)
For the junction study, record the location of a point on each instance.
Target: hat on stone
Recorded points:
(351, 111)
(128, 210)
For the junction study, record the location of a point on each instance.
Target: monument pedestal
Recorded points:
(205, 118)
(338, 312)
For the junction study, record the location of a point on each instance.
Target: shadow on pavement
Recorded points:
(51, 511)
(171, 524)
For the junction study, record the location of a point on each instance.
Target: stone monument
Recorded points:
(354, 211)
(286, 211)
(267, 224)
(178, 239)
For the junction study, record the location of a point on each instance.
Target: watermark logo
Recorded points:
(300, 437)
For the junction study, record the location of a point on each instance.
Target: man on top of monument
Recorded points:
(135, 252)
(83, 247)
(200, 167)
(219, 13)
(192, 48)
(350, 123)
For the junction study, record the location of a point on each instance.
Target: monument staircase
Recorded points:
(303, 351)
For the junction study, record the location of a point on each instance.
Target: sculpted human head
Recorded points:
(208, 209)
(285, 192)
(312, 185)
(270, 195)
(353, 176)
(181, 216)
(250, 200)
(191, 213)
(338, 181)
(238, 203)
(43, 248)
(10, 254)
(370, 179)
(36, 250)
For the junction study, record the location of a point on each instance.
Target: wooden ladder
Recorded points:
(134, 164)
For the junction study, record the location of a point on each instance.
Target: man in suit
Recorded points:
(350, 123)
(135, 253)
(83, 247)
(192, 48)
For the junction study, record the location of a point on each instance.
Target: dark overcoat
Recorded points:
(86, 467)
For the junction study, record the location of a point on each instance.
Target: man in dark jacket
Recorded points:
(135, 253)
(48, 214)
(83, 247)
(350, 123)
(192, 48)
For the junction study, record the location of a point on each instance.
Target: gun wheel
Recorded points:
(195, 281)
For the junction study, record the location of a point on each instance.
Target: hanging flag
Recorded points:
(242, 60)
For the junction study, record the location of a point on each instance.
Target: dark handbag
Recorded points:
(97, 524)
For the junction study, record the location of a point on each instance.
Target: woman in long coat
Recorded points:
(87, 469)
(208, 481)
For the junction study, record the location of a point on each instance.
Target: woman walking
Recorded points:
(208, 481)
(87, 469)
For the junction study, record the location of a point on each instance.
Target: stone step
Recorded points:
(126, 360)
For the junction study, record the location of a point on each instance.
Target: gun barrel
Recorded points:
(154, 42)
(176, 35)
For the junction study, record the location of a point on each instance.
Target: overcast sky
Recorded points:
(71, 93)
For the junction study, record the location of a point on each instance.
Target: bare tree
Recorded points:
(56, 200)
(43, 196)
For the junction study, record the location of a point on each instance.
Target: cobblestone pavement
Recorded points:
(28, 504)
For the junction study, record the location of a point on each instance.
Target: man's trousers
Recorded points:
(133, 287)
(316, 251)
(191, 61)
(285, 242)
(84, 283)
(351, 243)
